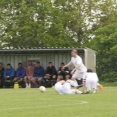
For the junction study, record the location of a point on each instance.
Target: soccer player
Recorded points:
(29, 74)
(38, 74)
(64, 87)
(20, 73)
(79, 70)
(90, 81)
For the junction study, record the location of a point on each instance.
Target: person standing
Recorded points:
(80, 69)
(29, 74)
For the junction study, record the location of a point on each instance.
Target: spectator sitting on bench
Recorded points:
(29, 74)
(1, 73)
(20, 73)
(38, 74)
(50, 72)
(8, 75)
(63, 73)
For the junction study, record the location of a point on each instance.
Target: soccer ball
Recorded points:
(42, 88)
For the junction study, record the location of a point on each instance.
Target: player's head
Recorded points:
(1, 65)
(29, 62)
(38, 64)
(89, 70)
(50, 64)
(8, 66)
(74, 52)
(62, 64)
(19, 65)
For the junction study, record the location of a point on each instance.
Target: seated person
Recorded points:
(63, 73)
(20, 73)
(50, 72)
(1, 73)
(29, 74)
(38, 74)
(8, 75)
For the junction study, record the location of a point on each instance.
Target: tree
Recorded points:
(105, 44)
(60, 23)
(32, 23)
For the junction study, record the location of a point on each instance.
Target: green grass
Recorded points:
(33, 103)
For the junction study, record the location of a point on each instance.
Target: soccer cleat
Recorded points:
(101, 87)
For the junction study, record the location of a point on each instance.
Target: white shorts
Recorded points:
(59, 88)
(78, 75)
(91, 84)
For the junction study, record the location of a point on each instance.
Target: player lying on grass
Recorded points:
(64, 87)
(90, 82)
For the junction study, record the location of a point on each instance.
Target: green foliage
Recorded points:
(61, 23)
(105, 43)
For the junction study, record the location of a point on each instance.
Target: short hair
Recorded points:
(74, 50)
(9, 64)
(62, 63)
(38, 62)
(19, 63)
(89, 70)
(50, 63)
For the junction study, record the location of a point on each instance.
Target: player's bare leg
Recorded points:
(26, 81)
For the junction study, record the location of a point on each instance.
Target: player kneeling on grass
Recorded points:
(90, 81)
(64, 87)
(20, 73)
(38, 74)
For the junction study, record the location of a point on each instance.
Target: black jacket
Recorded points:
(1, 73)
(51, 70)
(66, 70)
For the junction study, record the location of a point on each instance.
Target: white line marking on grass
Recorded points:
(45, 106)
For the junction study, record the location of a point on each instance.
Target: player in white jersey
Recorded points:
(90, 81)
(79, 70)
(64, 87)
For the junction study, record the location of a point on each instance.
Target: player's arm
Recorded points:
(77, 66)
(70, 63)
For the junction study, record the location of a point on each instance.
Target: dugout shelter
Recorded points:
(45, 55)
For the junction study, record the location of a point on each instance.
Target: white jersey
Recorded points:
(91, 80)
(90, 76)
(78, 60)
(66, 87)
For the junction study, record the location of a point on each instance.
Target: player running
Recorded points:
(64, 87)
(79, 70)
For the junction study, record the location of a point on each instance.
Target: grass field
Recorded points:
(33, 103)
